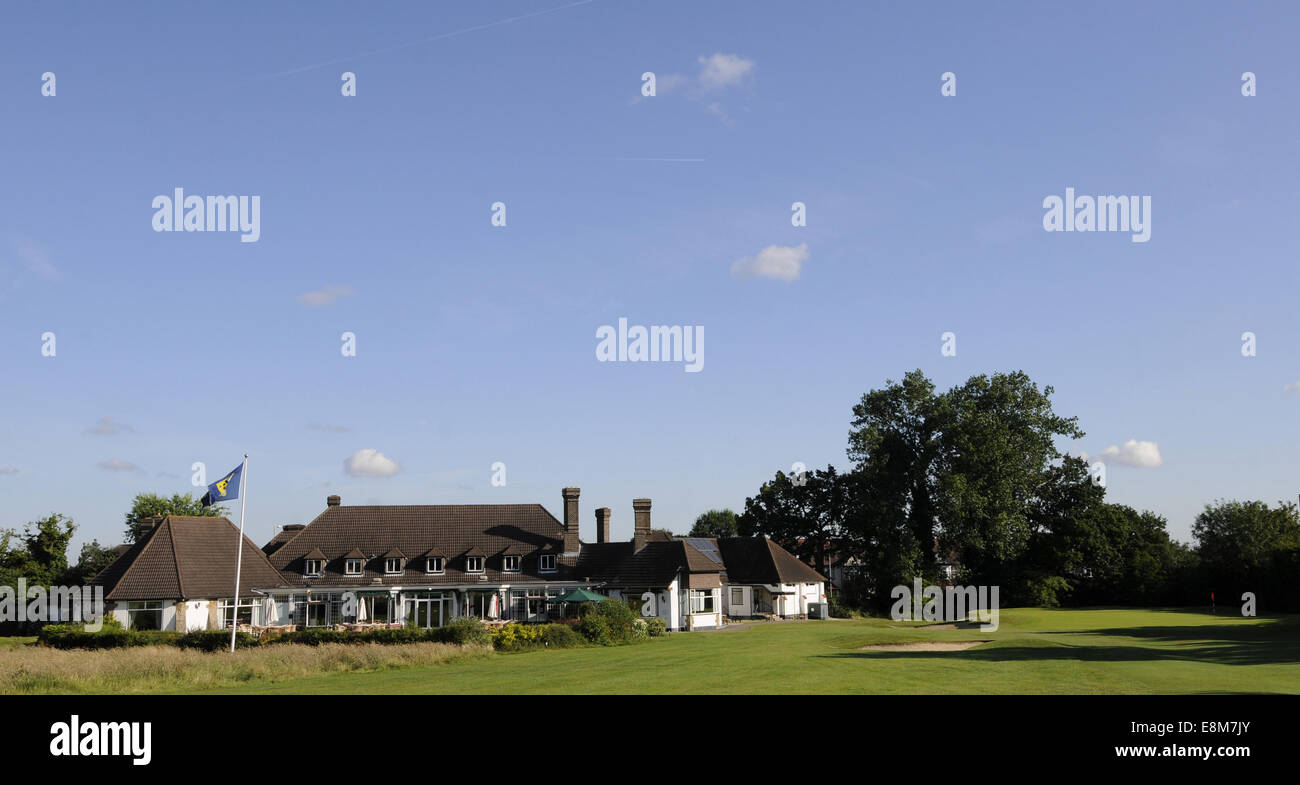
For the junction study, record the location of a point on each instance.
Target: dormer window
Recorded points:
(433, 565)
(354, 566)
(473, 564)
(546, 562)
(510, 564)
(393, 565)
(312, 568)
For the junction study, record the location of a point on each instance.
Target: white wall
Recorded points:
(169, 616)
(196, 615)
(745, 607)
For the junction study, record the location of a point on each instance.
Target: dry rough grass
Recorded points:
(37, 669)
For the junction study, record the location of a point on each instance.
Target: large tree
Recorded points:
(894, 442)
(39, 555)
(964, 467)
(802, 513)
(152, 505)
(1250, 547)
(715, 523)
(997, 456)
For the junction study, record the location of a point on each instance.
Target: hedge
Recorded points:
(464, 630)
(76, 636)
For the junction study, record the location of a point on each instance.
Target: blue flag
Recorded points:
(226, 489)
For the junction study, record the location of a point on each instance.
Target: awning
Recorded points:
(580, 595)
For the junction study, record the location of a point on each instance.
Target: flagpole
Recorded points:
(239, 552)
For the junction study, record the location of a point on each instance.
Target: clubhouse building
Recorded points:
(423, 565)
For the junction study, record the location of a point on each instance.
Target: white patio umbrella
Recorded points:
(268, 611)
(494, 609)
(361, 609)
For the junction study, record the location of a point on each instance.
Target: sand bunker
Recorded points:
(923, 646)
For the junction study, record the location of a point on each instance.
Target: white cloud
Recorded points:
(782, 262)
(8, 470)
(118, 465)
(721, 70)
(327, 296)
(107, 426)
(1293, 388)
(370, 463)
(1134, 453)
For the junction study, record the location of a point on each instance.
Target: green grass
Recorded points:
(1033, 651)
(14, 641)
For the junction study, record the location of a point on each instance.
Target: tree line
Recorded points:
(971, 479)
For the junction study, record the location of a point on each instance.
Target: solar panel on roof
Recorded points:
(707, 547)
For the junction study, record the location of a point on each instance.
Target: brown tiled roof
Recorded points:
(759, 560)
(187, 558)
(355, 553)
(654, 566)
(280, 538)
(457, 529)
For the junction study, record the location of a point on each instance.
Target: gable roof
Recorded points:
(431, 530)
(654, 566)
(759, 560)
(185, 558)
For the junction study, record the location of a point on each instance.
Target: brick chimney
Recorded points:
(333, 501)
(640, 523)
(147, 525)
(571, 519)
(602, 524)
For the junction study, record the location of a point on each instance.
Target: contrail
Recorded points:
(475, 28)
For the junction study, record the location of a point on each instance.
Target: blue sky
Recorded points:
(476, 344)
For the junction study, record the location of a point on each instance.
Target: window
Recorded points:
(701, 601)
(353, 566)
(538, 604)
(427, 608)
(145, 615)
(737, 596)
(546, 562)
(473, 564)
(316, 610)
(393, 565)
(511, 564)
(433, 565)
(313, 567)
(374, 609)
(249, 612)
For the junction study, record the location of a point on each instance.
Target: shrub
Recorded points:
(595, 628)
(214, 640)
(612, 622)
(466, 629)
(111, 636)
(839, 609)
(561, 636)
(656, 626)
